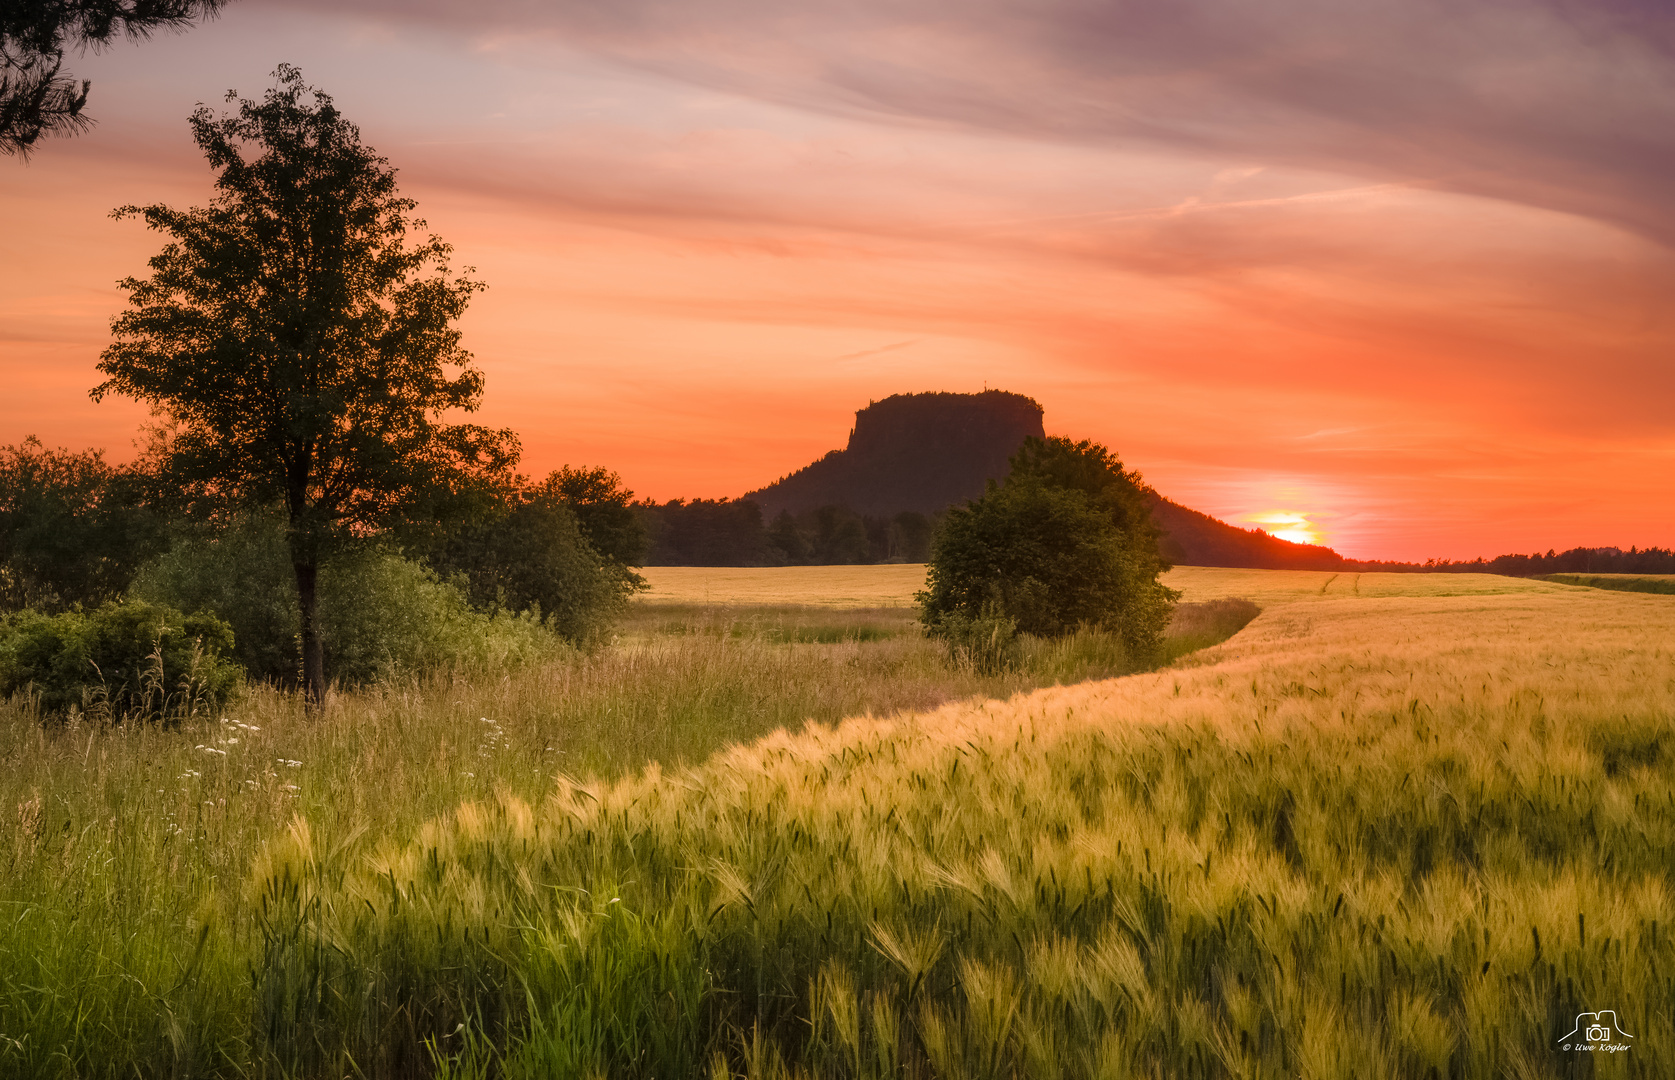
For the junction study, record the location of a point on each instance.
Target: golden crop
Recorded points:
(1415, 827)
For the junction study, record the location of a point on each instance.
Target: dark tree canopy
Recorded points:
(564, 546)
(1065, 542)
(1094, 471)
(603, 509)
(73, 529)
(36, 97)
(302, 348)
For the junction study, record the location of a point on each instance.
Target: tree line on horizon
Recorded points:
(732, 532)
(1577, 560)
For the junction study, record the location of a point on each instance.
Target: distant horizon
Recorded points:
(1410, 306)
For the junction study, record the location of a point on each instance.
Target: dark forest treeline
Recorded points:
(732, 532)
(1578, 560)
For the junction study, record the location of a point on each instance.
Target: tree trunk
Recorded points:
(313, 650)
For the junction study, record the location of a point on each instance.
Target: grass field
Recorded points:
(1650, 583)
(1399, 826)
(886, 585)
(893, 585)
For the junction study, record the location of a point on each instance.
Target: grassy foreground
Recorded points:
(1374, 834)
(127, 939)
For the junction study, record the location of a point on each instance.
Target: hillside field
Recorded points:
(1398, 826)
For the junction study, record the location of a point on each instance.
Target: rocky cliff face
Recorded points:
(921, 452)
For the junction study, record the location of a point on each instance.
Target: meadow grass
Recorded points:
(1370, 835)
(1650, 583)
(126, 938)
(882, 585)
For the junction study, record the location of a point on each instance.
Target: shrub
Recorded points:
(243, 574)
(1067, 542)
(124, 660)
(530, 554)
(73, 529)
(383, 615)
(380, 614)
(986, 643)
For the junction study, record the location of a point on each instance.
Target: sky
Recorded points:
(1391, 276)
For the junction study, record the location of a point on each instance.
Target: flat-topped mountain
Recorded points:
(921, 452)
(927, 452)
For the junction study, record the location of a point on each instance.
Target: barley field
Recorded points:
(883, 585)
(893, 585)
(1397, 826)
(1652, 583)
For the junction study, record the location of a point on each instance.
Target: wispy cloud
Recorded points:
(1565, 104)
(864, 353)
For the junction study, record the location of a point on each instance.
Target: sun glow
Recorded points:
(1292, 525)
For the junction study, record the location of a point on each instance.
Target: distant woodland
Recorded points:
(732, 532)
(1579, 560)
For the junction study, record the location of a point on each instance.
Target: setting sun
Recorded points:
(1289, 525)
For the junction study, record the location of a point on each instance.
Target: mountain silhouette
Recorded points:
(922, 452)
(927, 452)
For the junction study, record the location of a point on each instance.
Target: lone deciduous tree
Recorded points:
(297, 343)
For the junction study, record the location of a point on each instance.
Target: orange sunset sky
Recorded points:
(1396, 276)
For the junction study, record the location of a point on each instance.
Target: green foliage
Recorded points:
(133, 945)
(910, 537)
(604, 512)
(528, 553)
(1066, 542)
(296, 341)
(704, 532)
(73, 529)
(837, 536)
(122, 660)
(1664, 584)
(1094, 471)
(986, 642)
(380, 614)
(241, 572)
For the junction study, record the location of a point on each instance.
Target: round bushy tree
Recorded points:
(1067, 541)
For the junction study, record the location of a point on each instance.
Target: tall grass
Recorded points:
(1365, 837)
(1390, 839)
(126, 934)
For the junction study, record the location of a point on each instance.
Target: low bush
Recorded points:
(380, 614)
(1066, 542)
(124, 660)
(986, 643)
